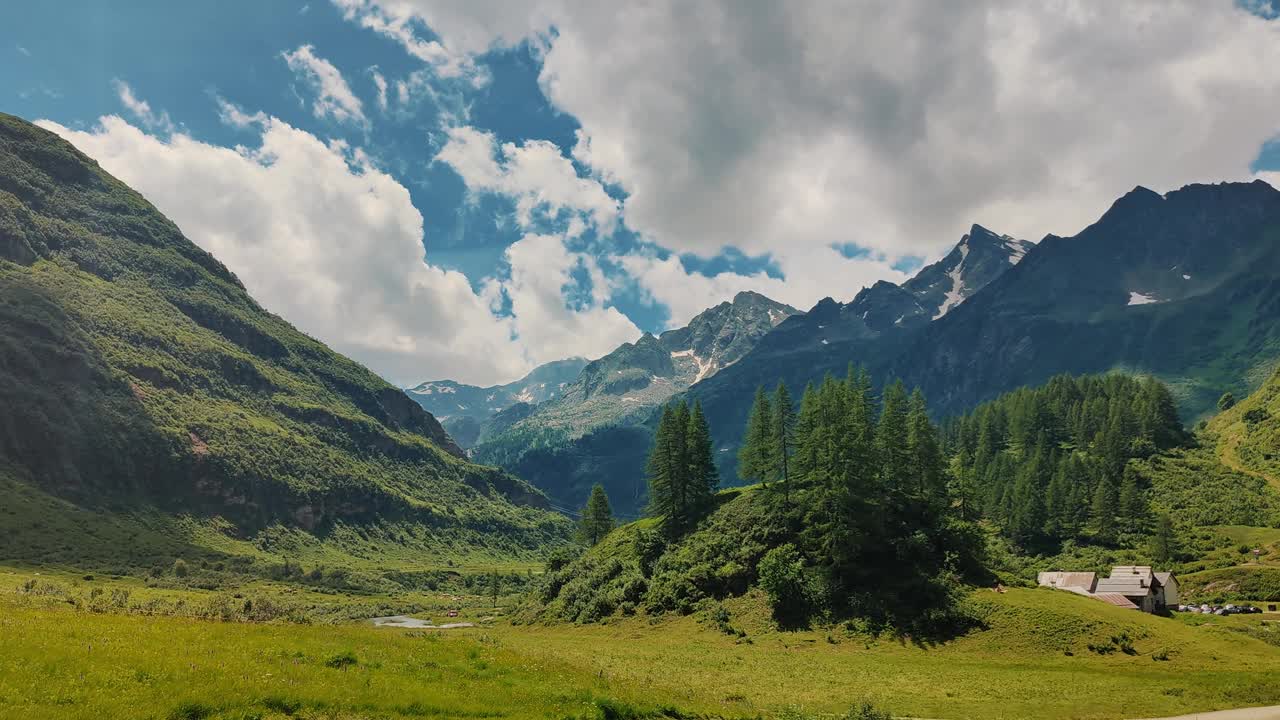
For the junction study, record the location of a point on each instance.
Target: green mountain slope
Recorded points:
(138, 376)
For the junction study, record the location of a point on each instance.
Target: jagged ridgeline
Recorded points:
(851, 518)
(141, 386)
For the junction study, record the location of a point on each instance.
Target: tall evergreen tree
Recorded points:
(892, 452)
(755, 461)
(703, 476)
(1163, 540)
(783, 436)
(1103, 509)
(597, 517)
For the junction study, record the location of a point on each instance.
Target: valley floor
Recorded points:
(1032, 661)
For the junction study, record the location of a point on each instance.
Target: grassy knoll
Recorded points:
(1032, 660)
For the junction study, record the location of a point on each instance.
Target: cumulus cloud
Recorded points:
(536, 175)
(395, 21)
(334, 97)
(541, 267)
(334, 245)
(141, 109)
(785, 128)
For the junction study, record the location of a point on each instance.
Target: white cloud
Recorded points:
(380, 82)
(234, 116)
(22, 50)
(334, 245)
(895, 125)
(541, 267)
(536, 175)
(394, 21)
(141, 109)
(334, 96)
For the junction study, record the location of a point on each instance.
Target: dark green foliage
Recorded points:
(782, 577)
(137, 374)
(1164, 540)
(755, 457)
(1037, 459)
(342, 660)
(682, 474)
(1226, 402)
(191, 711)
(597, 518)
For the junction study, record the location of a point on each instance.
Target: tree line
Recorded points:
(1050, 464)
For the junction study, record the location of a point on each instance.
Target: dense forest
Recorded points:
(1051, 464)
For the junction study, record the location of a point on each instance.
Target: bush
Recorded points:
(342, 660)
(782, 577)
(180, 568)
(191, 711)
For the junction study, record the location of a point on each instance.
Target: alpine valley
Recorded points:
(865, 510)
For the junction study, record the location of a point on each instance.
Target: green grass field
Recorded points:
(60, 660)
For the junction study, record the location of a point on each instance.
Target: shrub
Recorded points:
(282, 705)
(342, 660)
(191, 711)
(180, 568)
(782, 577)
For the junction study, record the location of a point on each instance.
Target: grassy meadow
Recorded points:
(1042, 654)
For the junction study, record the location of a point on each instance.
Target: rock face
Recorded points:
(452, 401)
(135, 371)
(633, 379)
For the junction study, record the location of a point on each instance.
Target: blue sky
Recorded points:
(583, 175)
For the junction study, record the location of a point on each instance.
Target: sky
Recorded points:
(466, 189)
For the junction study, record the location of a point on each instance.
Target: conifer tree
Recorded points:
(783, 436)
(1131, 503)
(755, 462)
(661, 468)
(597, 517)
(1103, 509)
(703, 476)
(1163, 540)
(891, 435)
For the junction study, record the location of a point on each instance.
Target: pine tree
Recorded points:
(661, 467)
(891, 437)
(703, 476)
(597, 517)
(783, 436)
(1103, 509)
(1131, 503)
(1163, 540)
(755, 462)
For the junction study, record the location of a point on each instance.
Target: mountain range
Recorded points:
(463, 409)
(1182, 286)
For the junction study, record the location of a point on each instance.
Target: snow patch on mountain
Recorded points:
(1137, 298)
(956, 294)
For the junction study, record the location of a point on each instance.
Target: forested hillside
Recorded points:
(1049, 464)
(137, 375)
(852, 518)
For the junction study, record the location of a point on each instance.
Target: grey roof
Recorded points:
(1129, 586)
(1164, 578)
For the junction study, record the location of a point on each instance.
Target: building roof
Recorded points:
(1130, 586)
(1116, 599)
(1166, 578)
(1065, 580)
(1139, 571)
